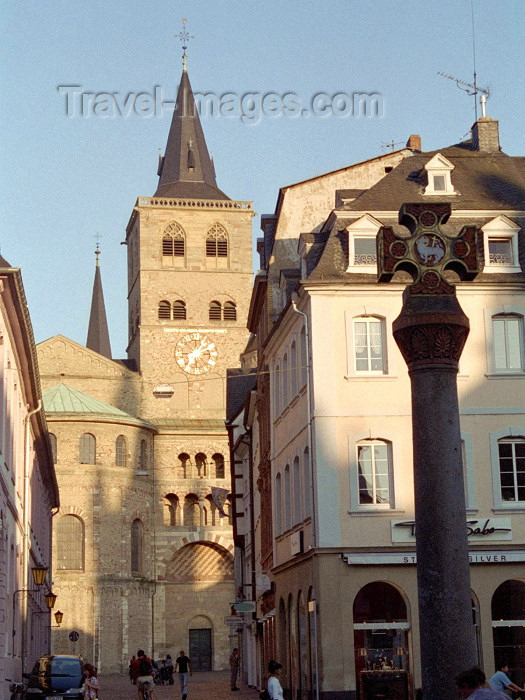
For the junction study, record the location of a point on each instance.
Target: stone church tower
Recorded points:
(143, 556)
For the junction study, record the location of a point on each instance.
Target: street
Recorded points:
(212, 685)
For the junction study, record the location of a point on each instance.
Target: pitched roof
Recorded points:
(482, 181)
(238, 386)
(186, 170)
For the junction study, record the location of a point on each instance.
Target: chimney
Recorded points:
(414, 142)
(485, 135)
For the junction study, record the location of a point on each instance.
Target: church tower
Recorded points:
(189, 277)
(189, 285)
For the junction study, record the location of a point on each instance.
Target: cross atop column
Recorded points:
(428, 252)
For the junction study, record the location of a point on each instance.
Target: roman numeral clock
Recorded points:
(196, 353)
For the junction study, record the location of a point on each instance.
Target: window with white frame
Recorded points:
(511, 458)
(500, 245)
(369, 345)
(374, 474)
(508, 340)
(362, 255)
(438, 171)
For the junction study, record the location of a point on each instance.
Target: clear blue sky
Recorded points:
(65, 179)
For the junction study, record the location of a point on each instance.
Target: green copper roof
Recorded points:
(64, 399)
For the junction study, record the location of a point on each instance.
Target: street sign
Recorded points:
(73, 636)
(233, 620)
(244, 606)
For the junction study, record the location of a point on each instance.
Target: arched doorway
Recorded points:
(508, 628)
(381, 643)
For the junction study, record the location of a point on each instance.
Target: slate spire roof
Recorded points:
(98, 334)
(186, 170)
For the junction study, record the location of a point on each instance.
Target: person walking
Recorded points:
(235, 659)
(169, 669)
(182, 665)
(275, 690)
(91, 684)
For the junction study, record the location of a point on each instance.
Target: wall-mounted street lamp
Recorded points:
(58, 617)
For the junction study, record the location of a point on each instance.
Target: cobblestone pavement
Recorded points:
(213, 685)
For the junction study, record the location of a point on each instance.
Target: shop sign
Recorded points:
(475, 557)
(478, 529)
(233, 621)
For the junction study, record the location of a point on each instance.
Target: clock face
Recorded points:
(195, 353)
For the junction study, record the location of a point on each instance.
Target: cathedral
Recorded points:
(142, 544)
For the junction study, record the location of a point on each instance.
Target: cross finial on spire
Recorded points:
(184, 37)
(97, 250)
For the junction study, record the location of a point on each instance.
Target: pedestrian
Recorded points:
(142, 672)
(182, 665)
(500, 680)
(235, 659)
(130, 667)
(275, 690)
(91, 683)
(471, 684)
(169, 668)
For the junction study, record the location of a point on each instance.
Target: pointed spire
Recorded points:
(98, 335)
(186, 170)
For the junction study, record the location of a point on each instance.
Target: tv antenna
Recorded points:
(391, 145)
(471, 89)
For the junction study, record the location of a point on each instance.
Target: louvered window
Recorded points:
(173, 241)
(179, 310)
(230, 311)
(215, 311)
(217, 242)
(165, 310)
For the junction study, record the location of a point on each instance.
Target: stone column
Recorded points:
(431, 332)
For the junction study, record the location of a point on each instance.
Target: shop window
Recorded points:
(381, 641)
(508, 628)
(70, 543)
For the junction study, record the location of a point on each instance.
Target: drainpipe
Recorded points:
(312, 486)
(27, 543)
(309, 419)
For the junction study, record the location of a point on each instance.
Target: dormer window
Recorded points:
(500, 242)
(438, 176)
(362, 254)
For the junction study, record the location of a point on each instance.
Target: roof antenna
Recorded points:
(184, 37)
(472, 88)
(391, 145)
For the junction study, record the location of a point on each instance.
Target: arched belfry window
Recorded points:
(179, 310)
(230, 311)
(164, 310)
(217, 242)
(215, 311)
(173, 243)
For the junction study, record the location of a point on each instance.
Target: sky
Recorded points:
(285, 77)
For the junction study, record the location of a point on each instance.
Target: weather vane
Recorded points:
(184, 37)
(97, 251)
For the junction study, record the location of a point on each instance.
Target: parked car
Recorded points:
(56, 676)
